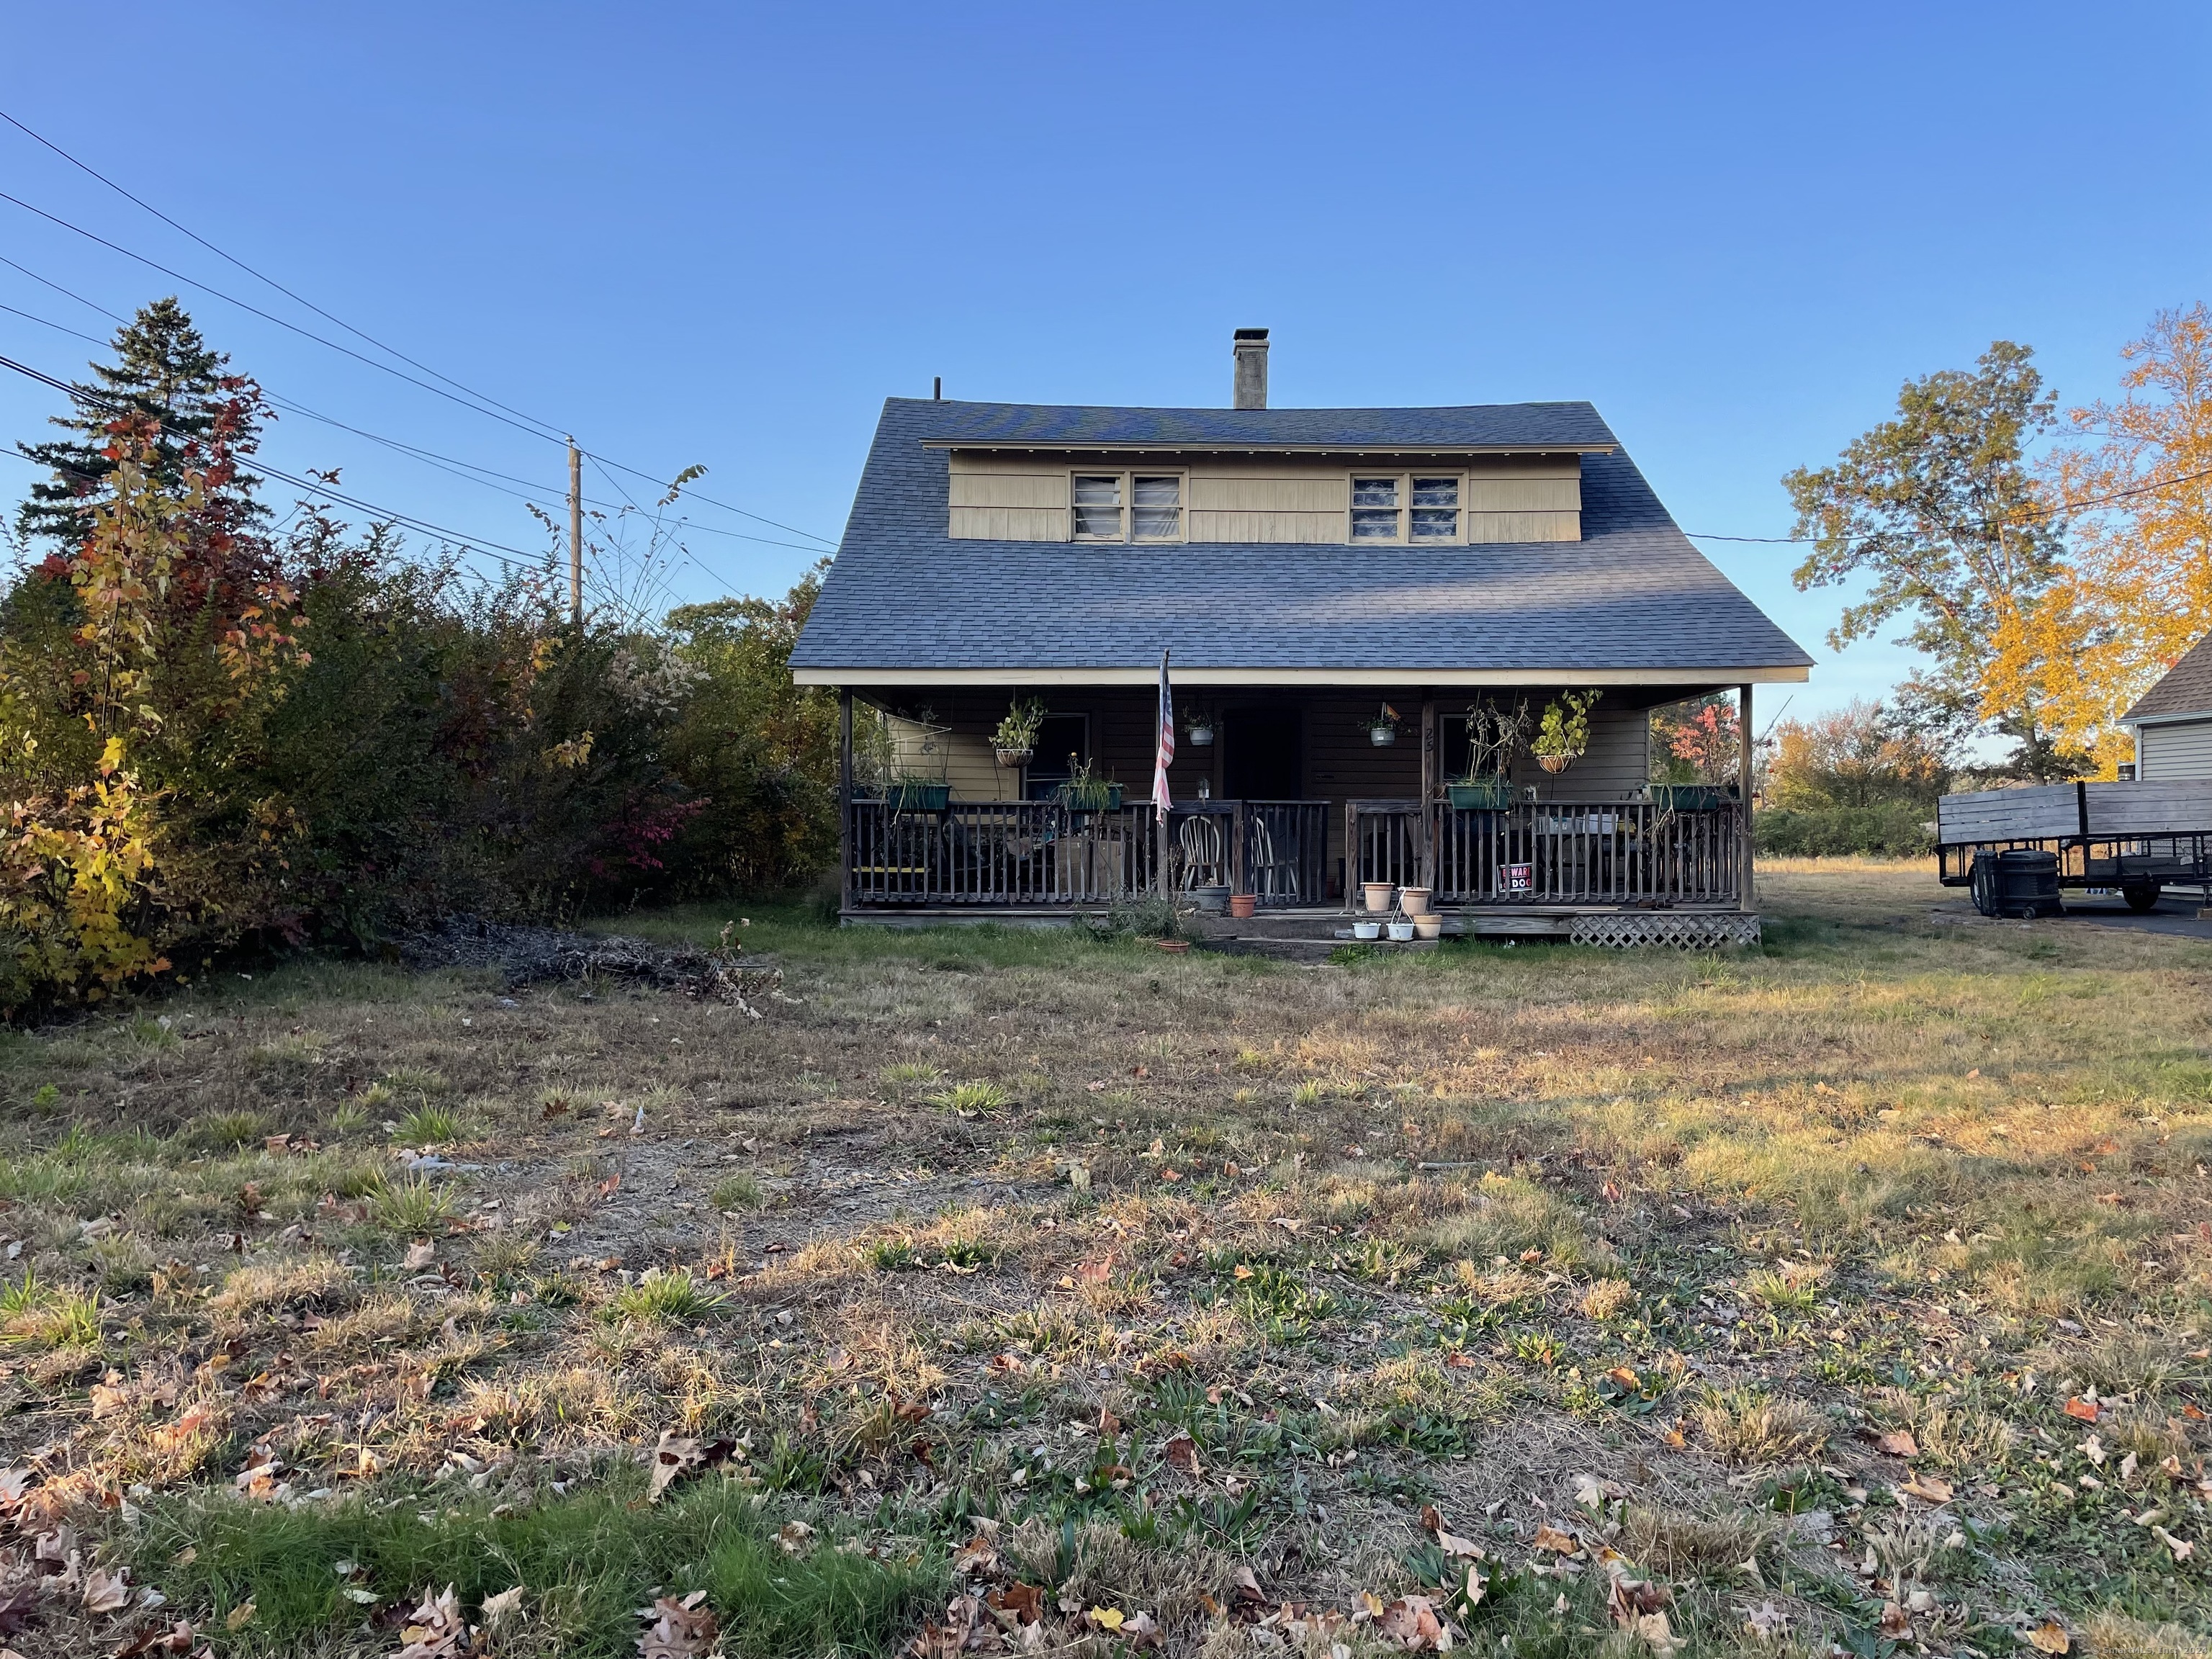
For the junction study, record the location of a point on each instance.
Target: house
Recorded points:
(1340, 590)
(2172, 720)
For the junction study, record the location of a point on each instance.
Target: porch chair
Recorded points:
(1205, 856)
(1273, 878)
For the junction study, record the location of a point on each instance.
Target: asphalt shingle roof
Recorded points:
(1632, 593)
(2186, 689)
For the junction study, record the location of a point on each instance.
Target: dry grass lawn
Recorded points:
(1854, 1291)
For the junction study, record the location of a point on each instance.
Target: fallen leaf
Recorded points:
(1449, 1542)
(1549, 1537)
(1245, 1583)
(502, 1609)
(1899, 1443)
(1410, 1621)
(2087, 1411)
(106, 1592)
(419, 1256)
(978, 1556)
(1181, 1453)
(2181, 1549)
(1141, 1630)
(177, 1639)
(1629, 1599)
(1766, 1621)
(2050, 1636)
(794, 1536)
(239, 1616)
(677, 1630)
(1928, 1488)
(1107, 1619)
(1024, 1602)
(435, 1630)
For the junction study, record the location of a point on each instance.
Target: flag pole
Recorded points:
(1164, 751)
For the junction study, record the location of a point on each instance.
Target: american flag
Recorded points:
(1166, 751)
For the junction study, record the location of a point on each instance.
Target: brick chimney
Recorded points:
(1251, 391)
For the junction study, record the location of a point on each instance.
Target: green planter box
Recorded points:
(1111, 803)
(1688, 797)
(919, 797)
(1489, 795)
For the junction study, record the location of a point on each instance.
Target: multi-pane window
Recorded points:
(1098, 507)
(1375, 510)
(1153, 499)
(1405, 507)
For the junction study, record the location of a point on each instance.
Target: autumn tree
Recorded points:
(2135, 590)
(1855, 757)
(1939, 512)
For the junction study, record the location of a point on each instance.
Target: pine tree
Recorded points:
(165, 370)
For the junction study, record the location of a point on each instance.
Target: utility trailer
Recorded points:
(2139, 838)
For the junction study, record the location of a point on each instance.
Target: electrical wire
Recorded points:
(549, 429)
(2043, 514)
(522, 560)
(544, 495)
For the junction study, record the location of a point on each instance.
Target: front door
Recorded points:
(1260, 759)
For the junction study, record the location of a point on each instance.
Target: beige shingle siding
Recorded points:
(2166, 750)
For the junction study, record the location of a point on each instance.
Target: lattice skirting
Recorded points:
(1621, 930)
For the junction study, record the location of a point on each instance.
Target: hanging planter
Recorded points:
(1014, 744)
(1564, 736)
(1201, 735)
(1014, 759)
(1382, 730)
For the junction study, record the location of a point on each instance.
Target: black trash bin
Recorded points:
(2021, 881)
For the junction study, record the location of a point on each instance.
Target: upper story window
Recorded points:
(1124, 506)
(1405, 506)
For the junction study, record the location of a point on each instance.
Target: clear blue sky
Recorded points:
(724, 233)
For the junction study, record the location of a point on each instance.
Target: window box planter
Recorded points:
(919, 797)
(1099, 797)
(1483, 795)
(1688, 797)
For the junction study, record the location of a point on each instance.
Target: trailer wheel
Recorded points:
(2142, 896)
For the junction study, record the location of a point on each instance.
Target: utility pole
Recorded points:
(575, 536)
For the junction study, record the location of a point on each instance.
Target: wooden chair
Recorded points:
(1273, 879)
(1205, 855)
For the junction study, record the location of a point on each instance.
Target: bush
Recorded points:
(1901, 829)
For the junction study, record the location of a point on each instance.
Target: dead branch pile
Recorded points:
(539, 956)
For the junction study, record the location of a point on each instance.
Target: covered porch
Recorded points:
(1287, 793)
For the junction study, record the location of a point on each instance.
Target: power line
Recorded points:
(549, 428)
(262, 276)
(2045, 513)
(523, 560)
(453, 464)
(268, 316)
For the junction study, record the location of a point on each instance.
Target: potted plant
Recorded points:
(1494, 736)
(1382, 730)
(1198, 730)
(1015, 741)
(1564, 736)
(911, 793)
(1084, 791)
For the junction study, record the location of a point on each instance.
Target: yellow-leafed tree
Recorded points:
(2134, 590)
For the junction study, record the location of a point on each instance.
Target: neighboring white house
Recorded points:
(2172, 720)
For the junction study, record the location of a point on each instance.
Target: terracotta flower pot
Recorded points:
(1240, 905)
(1414, 901)
(1376, 896)
(1430, 927)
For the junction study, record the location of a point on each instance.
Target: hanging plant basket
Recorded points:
(1555, 764)
(1014, 759)
(1381, 736)
(1202, 737)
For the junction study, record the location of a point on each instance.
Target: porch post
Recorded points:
(1425, 820)
(1746, 900)
(844, 798)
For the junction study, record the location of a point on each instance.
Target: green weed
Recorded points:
(663, 1297)
(971, 1097)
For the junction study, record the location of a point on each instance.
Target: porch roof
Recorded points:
(1633, 602)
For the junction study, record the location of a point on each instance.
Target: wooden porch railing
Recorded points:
(997, 852)
(1041, 853)
(1552, 852)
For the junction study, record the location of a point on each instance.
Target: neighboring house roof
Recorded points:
(2186, 689)
(1631, 599)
